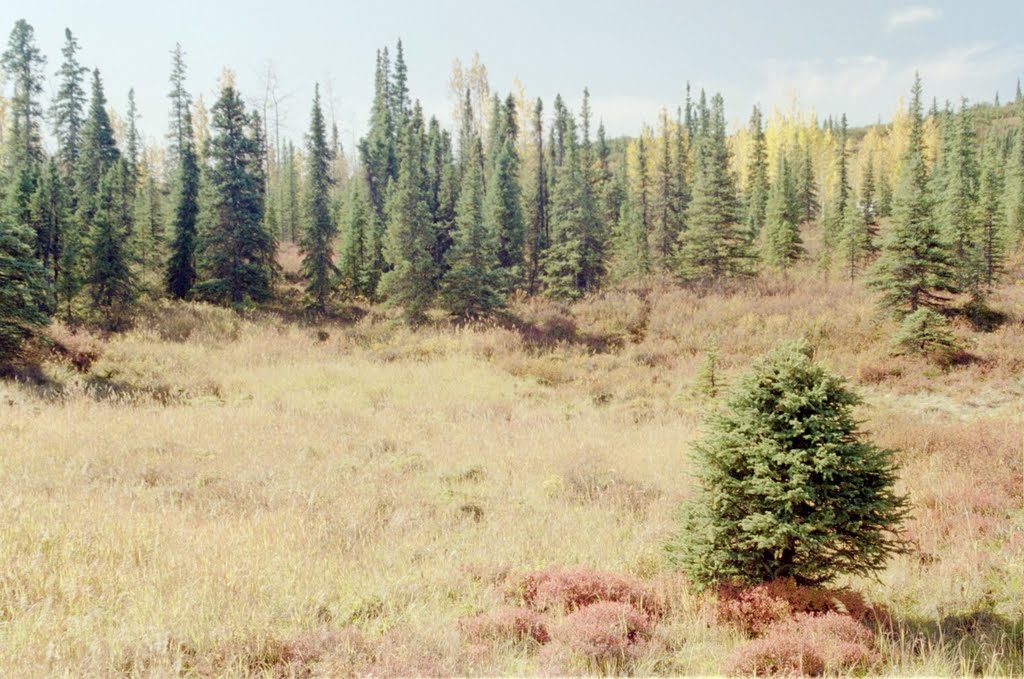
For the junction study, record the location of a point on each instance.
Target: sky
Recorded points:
(635, 56)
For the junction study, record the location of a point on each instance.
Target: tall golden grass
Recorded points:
(227, 496)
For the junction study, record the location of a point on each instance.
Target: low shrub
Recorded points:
(509, 623)
(573, 588)
(608, 634)
(754, 609)
(808, 644)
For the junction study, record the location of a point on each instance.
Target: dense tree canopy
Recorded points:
(512, 201)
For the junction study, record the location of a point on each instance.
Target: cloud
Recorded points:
(908, 16)
(868, 86)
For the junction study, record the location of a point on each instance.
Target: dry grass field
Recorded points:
(219, 495)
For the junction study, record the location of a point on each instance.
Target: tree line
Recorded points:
(513, 200)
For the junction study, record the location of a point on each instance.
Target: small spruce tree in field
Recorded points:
(709, 380)
(925, 333)
(788, 487)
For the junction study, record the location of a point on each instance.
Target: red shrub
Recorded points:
(610, 631)
(808, 644)
(572, 588)
(516, 624)
(753, 609)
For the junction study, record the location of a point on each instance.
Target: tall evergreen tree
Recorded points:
(131, 140)
(473, 285)
(401, 106)
(150, 213)
(22, 289)
(714, 245)
(630, 254)
(110, 280)
(318, 236)
(502, 209)
(562, 263)
(181, 103)
(804, 185)
(356, 261)
(1015, 180)
(236, 251)
(854, 240)
(181, 267)
(959, 207)
(884, 195)
(592, 232)
(989, 255)
(756, 193)
(22, 62)
(50, 215)
(782, 244)
(410, 239)
(68, 109)
(535, 205)
(832, 224)
(914, 268)
(443, 191)
(98, 151)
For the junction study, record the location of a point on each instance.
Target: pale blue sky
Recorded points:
(634, 56)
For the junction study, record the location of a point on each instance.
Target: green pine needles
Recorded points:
(788, 487)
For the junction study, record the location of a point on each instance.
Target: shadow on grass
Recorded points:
(976, 643)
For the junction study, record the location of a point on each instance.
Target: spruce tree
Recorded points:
(832, 224)
(22, 289)
(181, 274)
(22, 62)
(959, 207)
(868, 194)
(787, 485)
(756, 193)
(443, 192)
(236, 252)
(377, 150)
(680, 176)
(1015, 182)
(914, 268)
(50, 217)
(592, 230)
(68, 109)
(665, 227)
(782, 245)
(132, 141)
(562, 263)
(473, 285)
(319, 232)
(354, 269)
(502, 215)
(990, 247)
(854, 240)
(804, 185)
(884, 195)
(714, 245)
(109, 278)
(150, 213)
(410, 239)
(181, 120)
(535, 205)
(630, 254)
(97, 153)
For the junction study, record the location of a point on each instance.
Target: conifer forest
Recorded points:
(738, 392)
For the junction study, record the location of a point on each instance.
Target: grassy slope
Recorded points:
(227, 496)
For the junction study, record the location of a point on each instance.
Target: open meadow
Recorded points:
(211, 494)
